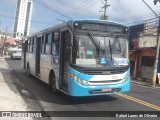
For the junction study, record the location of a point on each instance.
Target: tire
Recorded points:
(53, 83)
(28, 71)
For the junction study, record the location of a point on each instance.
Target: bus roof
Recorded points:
(98, 20)
(70, 22)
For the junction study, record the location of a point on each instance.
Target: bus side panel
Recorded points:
(46, 65)
(30, 58)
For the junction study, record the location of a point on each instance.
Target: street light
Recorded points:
(157, 46)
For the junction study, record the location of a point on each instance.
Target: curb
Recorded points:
(145, 84)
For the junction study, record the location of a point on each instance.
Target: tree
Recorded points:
(7, 44)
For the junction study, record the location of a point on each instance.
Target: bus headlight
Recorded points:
(125, 79)
(75, 78)
(79, 80)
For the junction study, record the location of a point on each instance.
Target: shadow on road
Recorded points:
(42, 92)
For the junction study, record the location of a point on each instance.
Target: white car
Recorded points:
(16, 53)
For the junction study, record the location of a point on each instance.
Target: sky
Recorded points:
(128, 12)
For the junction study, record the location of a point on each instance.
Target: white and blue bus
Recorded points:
(80, 57)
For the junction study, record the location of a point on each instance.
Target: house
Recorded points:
(143, 41)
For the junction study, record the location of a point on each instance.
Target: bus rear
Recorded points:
(99, 59)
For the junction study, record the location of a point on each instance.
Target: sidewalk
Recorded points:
(145, 83)
(10, 98)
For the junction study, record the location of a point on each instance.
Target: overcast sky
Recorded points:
(128, 12)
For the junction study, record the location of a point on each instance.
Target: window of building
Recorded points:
(148, 61)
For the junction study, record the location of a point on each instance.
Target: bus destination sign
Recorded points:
(99, 27)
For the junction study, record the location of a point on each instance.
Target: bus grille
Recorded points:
(105, 81)
(103, 72)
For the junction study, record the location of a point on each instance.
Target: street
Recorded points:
(38, 96)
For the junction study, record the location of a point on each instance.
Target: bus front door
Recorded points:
(64, 59)
(38, 53)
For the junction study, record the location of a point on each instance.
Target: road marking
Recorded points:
(139, 101)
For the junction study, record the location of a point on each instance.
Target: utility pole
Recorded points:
(104, 16)
(157, 50)
(157, 46)
(4, 42)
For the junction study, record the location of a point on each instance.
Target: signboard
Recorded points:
(120, 61)
(110, 27)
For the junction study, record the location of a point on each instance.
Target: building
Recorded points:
(23, 17)
(143, 40)
(2, 38)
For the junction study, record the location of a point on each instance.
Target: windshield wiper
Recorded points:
(116, 40)
(94, 41)
(110, 49)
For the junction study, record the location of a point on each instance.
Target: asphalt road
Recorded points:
(40, 97)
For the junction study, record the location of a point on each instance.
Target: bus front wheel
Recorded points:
(53, 83)
(28, 71)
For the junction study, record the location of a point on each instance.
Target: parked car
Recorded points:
(16, 54)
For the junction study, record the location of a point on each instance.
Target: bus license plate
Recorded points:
(106, 89)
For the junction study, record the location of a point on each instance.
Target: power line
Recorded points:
(51, 9)
(85, 7)
(34, 21)
(74, 7)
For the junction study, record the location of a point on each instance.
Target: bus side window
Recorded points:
(55, 44)
(43, 44)
(34, 44)
(48, 41)
(55, 49)
(31, 45)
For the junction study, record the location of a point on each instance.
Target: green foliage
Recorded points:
(7, 44)
(12, 45)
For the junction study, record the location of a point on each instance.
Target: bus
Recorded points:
(80, 57)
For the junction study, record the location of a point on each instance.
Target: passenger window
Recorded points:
(31, 45)
(34, 44)
(55, 49)
(48, 41)
(43, 44)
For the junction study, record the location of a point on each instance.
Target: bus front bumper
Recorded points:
(77, 89)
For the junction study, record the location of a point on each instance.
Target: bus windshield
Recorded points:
(99, 51)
